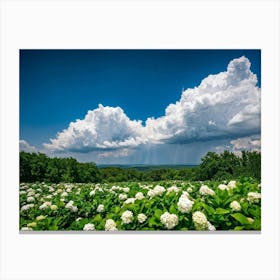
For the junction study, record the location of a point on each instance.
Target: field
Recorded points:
(165, 205)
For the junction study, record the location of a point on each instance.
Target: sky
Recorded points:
(139, 106)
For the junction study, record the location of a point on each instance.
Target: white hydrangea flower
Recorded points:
(232, 184)
(254, 197)
(173, 189)
(110, 225)
(141, 218)
(130, 200)
(184, 204)
(205, 190)
(223, 187)
(235, 206)
(100, 208)
(115, 188)
(41, 217)
(78, 219)
(45, 205)
(92, 193)
(71, 207)
(127, 217)
(210, 226)
(169, 220)
(126, 190)
(159, 190)
(30, 199)
(27, 207)
(31, 225)
(54, 207)
(31, 193)
(64, 194)
(122, 196)
(200, 221)
(22, 192)
(151, 194)
(89, 227)
(26, 229)
(139, 196)
(250, 220)
(189, 189)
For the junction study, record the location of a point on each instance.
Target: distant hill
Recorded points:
(147, 167)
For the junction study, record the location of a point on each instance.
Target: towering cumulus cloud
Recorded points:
(223, 106)
(104, 128)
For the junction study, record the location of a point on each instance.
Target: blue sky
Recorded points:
(58, 87)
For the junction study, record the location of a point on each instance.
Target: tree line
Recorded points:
(38, 167)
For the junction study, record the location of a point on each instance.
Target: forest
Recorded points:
(38, 167)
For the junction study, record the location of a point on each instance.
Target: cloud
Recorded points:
(24, 146)
(251, 143)
(105, 128)
(223, 106)
(247, 143)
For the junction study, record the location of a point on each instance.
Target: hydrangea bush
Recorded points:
(164, 206)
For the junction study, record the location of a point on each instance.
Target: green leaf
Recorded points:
(158, 213)
(240, 218)
(152, 222)
(239, 228)
(172, 209)
(221, 211)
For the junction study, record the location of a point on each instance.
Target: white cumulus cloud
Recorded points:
(105, 128)
(224, 106)
(26, 147)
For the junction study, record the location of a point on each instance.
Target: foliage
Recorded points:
(37, 167)
(47, 206)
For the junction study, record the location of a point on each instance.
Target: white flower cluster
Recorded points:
(89, 227)
(157, 190)
(100, 208)
(173, 189)
(223, 187)
(169, 220)
(26, 229)
(189, 189)
(126, 190)
(235, 206)
(71, 207)
(141, 218)
(184, 204)
(122, 196)
(110, 225)
(130, 200)
(45, 205)
(139, 196)
(41, 217)
(30, 199)
(205, 190)
(127, 217)
(232, 184)
(27, 207)
(254, 197)
(64, 194)
(201, 222)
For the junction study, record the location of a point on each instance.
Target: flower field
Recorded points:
(166, 205)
